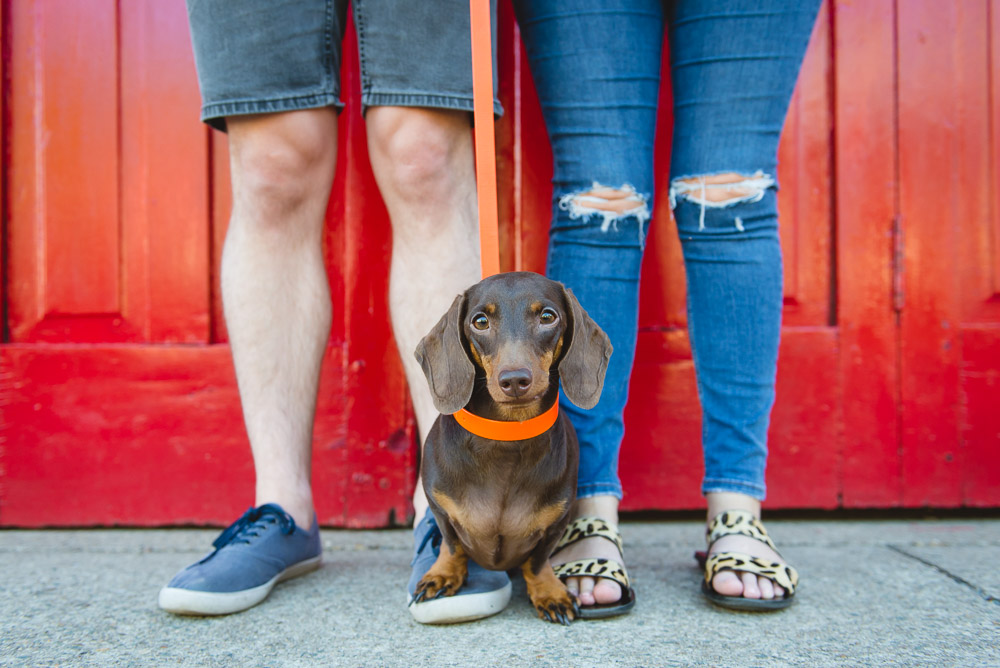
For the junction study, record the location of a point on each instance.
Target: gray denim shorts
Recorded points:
(266, 56)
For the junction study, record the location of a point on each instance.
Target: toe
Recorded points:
(607, 591)
(750, 588)
(779, 591)
(766, 588)
(573, 586)
(727, 583)
(586, 595)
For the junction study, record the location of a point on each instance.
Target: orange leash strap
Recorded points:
(482, 107)
(489, 235)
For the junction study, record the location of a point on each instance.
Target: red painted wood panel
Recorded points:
(106, 200)
(980, 378)
(63, 171)
(980, 373)
(164, 201)
(6, 378)
(168, 452)
(977, 224)
(4, 58)
(944, 129)
(147, 435)
(865, 195)
(115, 380)
(524, 157)
(805, 201)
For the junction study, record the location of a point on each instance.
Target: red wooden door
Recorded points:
(919, 163)
(949, 247)
(117, 398)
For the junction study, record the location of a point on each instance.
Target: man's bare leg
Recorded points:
(275, 291)
(423, 163)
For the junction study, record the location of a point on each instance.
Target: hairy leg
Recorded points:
(423, 163)
(275, 292)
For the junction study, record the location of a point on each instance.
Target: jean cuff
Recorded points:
(714, 485)
(599, 489)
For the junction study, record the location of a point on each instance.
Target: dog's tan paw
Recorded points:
(435, 585)
(549, 595)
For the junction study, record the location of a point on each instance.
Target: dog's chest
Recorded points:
(499, 530)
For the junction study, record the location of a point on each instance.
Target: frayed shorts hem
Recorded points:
(430, 101)
(215, 113)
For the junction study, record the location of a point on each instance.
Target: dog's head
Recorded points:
(517, 328)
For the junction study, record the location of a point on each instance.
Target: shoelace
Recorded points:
(433, 536)
(252, 522)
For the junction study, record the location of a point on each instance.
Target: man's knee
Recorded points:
(420, 155)
(283, 162)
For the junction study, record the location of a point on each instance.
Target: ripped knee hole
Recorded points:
(720, 189)
(618, 200)
(612, 204)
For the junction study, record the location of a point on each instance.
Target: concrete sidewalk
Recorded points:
(873, 593)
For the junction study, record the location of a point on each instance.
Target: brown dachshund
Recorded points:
(499, 465)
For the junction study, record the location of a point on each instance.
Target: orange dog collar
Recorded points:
(499, 430)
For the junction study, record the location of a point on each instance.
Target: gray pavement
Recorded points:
(901, 593)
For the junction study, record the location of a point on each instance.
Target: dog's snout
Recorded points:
(514, 382)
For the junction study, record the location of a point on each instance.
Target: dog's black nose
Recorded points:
(514, 382)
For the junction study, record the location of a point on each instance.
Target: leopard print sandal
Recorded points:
(743, 523)
(609, 569)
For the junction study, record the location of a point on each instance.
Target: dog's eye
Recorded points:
(480, 321)
(547, 317)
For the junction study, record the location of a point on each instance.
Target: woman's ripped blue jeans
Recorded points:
(596, 65)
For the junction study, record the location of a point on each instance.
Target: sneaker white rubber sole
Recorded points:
(464, 608)
(206, 603)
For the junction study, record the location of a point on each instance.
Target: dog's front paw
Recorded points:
(555, 604)
(551, 599)
(435, 585)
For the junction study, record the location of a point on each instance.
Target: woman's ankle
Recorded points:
(604, 506)
(721, 501)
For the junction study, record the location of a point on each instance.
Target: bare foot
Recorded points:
(738, 583)
(592, 591)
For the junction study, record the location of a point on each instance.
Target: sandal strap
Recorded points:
(589, 527)
(783, 574)
(737, 522)
(609, 569)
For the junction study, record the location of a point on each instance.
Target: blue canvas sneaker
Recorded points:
(256, 552)
(484, 593)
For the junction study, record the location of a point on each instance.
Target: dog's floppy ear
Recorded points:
(583, 366)
(449, 371)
